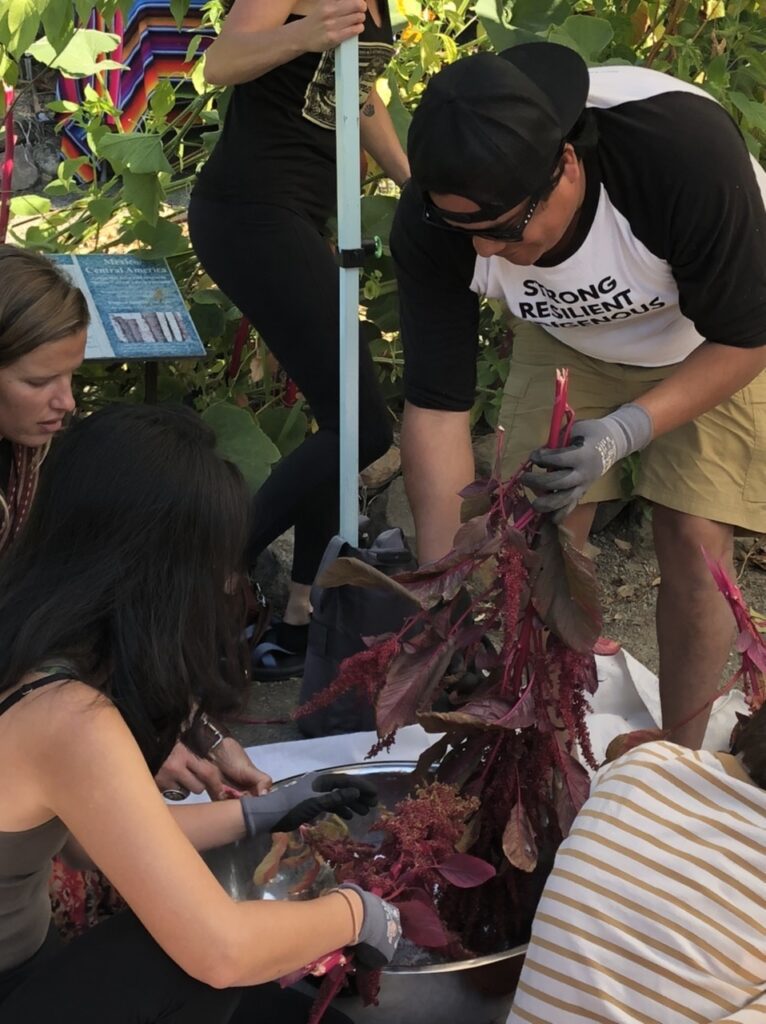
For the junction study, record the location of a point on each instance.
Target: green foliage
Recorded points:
(241, 440)
(717, 44)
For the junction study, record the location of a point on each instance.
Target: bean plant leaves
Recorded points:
(519, 844)
(139, 152)
(465, 871)
(565, 592)
(240, 439)
(356, 573)
(410, 684)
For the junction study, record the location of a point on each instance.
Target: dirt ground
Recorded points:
(629, 576)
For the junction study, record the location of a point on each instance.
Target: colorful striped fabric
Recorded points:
(655, 911)
(153, 48)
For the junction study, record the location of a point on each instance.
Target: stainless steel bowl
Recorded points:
(478, 991)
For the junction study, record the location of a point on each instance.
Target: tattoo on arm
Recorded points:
(368, 109)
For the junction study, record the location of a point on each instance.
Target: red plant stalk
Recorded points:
(240, 338)
(563, 414)
(6, 173)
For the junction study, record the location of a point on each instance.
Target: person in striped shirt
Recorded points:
(654, 911)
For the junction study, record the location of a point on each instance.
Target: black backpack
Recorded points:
(341, 617)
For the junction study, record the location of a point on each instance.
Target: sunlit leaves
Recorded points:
(81, 56)
(138, 152)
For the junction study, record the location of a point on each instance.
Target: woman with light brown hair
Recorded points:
(43, 323)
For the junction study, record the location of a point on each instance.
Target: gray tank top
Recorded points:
(25, 907)
(25, 868)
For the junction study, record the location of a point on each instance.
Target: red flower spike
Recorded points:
(750, 643)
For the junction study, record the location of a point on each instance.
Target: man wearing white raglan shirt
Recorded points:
(619, 215)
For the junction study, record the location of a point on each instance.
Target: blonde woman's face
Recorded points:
(36, 390)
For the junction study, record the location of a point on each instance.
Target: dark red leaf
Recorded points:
(331, 985)
(519, 844)
(565, 592)
(429, 758)
(483, 713)
(367, 985)
(463, 760)
(443, 579)
(422, 925)
(410, 684)
(465, 871)
(479, 487)
(571, 789)
(356, 573)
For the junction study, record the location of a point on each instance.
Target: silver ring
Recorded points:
(175, 794)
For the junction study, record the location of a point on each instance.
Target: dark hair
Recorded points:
(128, 568)
(38, 303)
(749, 740)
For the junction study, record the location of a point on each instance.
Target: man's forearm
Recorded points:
(437, 460)
(711, 374)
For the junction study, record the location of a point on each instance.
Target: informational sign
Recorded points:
(136, 309)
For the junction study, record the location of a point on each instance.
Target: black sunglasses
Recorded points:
(511, 232)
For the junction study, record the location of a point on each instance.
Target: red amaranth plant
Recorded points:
(511, 741)
(415, 866)
(750, 675)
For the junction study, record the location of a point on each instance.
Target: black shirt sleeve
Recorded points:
(691, 196)
(439, 314)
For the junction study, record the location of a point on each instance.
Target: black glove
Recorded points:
(287, 807)
(380, 932)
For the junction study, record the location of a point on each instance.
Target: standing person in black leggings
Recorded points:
(258, 221)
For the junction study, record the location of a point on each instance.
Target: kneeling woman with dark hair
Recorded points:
(117, 619)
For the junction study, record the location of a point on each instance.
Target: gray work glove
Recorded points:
(596, 446)
(285, 808)
(380, 932)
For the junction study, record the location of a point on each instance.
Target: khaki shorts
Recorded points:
(713, 467)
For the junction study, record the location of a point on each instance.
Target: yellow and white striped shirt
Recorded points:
(655, 911)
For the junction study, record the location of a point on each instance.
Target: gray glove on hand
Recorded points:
(596, 446)
(380, 932)
(287, 807)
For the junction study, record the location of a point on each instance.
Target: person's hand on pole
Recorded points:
(596, 446)
(331, 23)
(287, 807)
